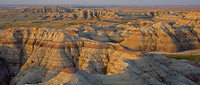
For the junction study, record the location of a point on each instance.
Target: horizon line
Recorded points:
(89, 5)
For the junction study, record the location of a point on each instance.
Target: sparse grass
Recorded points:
(195, 58)
(34, 21)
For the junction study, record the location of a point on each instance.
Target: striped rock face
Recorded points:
(45, 56)
(69, 13)
(168, 16)
(191, 19)
(163, 37)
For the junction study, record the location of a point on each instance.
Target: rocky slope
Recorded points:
(192, 19)
(165, 15)
(74, 13)
(168, 18)
(166, 37)
(47, 56)
(85, 14)
(103, 33)
(163, 37)
(44, 9)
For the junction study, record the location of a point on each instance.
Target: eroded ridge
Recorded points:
(163, 37)
(54, 57)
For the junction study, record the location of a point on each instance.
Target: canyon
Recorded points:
(97, 46)
(45, 55)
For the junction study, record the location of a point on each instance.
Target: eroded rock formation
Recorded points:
(192, 19)
(163, 37)
(48, 56)
(45, 9)
(71, 13)
(165, 15)
(103, 33)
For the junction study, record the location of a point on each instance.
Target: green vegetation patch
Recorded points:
(195, 58)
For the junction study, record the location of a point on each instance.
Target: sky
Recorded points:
(101, 2)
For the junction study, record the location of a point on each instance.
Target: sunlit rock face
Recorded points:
(102, 33)
(46, 56)
(64, 12)
(192, 19)
(168, 16)
(163, 37)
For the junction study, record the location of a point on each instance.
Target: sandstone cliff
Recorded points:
(48, 56)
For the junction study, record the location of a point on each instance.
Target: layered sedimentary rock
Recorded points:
(163, 37)
(47, 56)
(143, 70)
(103, 33)
(88, 14)
(192, 19)
(44, 9)
(167, 18)
(75, 13)
(128, 29)
(165, 15)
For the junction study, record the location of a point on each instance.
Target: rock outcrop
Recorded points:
(87, 14)
(63, 12)
(103, 33)
(192, 19)
(44, 9)
(165, 15)
(48, 56)
(163, 37)
(168, 18)
(154, 69)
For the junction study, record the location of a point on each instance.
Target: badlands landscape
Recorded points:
(111, 45)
